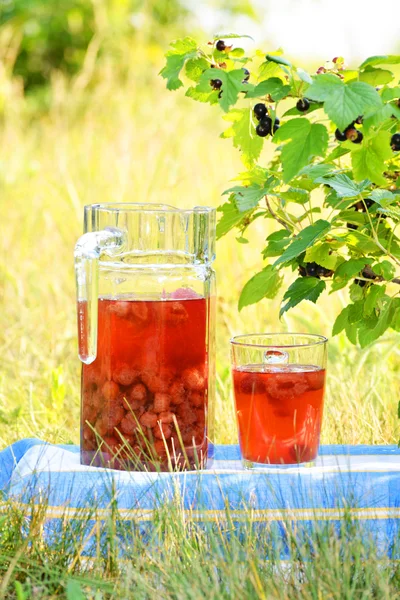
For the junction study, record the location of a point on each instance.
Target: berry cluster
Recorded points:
(312, 269)
(395, 142)
(350, 133)
(265, 126)
(367, 274)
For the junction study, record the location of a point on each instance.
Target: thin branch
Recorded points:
(275, 216)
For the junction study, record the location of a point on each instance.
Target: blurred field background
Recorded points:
(84, 117)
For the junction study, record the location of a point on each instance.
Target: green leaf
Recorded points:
(243, 135)
(390, 93)
(231, 36)
(356, 312)
(278, 59)
(343, 185)
(383, 197)
(180, 51)
(210, 95)
(272, 86)
(321, 254)
(246, 197)
(304, 140)
(375, 293)
(264, 284)
(343, 102)
(384, 269)
(368, 159)
(376, 76)
(303, 240)
(195, 67)
(391, 59)
(231, 216)
(338, 152)
(316, 171)
(304, 76)
(293, 195)
(351, 267)
(277, 242)
(232, 84)
(303, 288)
(371, 329)
(341, 321)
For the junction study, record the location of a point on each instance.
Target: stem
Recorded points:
(284, 224)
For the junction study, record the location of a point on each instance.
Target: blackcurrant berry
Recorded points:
(351, 134)
(351, 226)
(246, 74)
(220, 45)
(340, 136)
(395, 142)
(360, 282)
(264, 127)
(359, 138)
(277, 121)
(359, 120)
(260, 111)
(216, 84)
(321, 70)
(303, 105)
(276, 125)
(368, 203)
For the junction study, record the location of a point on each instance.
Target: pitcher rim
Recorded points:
(148, 207)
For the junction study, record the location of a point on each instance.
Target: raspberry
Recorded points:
(316, 379)
(193, 380)
(185, 294)
(303, 105)
(113, 416)
(162, 430)
(196, 399)
(166, 417)
(187, 435)
(101, 427)
(137, 395)
(148, 419)
(286, 386)
(88, 434)
(89, 413)
(159, 448)
(220, 45)
(120, 308)
(201, 417)
(186, 413)
(176, 313)
(252, 384)
(110, 441)
(161, 402)
(260, 111)
(177, 392)
(124, 375)
(110, 390)
(129, 424)
(158, 381)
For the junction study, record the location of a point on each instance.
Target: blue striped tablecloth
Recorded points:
(361, 482)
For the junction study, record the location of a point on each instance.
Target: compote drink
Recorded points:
(279, 412)
(145, 397)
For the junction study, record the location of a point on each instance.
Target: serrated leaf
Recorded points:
(231, 216)
(348, 269)
(195, 67)
(277, 242)
(304, 140)
(384, 269)
(304, 239)
(341, 321)
(180, 51)
(343, 185)
(272, 86)
(338, 152)
(210, 96)
(343, 102)
(264, 284)
(376, 76)
(303, 288)
(390, 93)
(375, 293)
(321, 254)
(232, 84)
(383, 197)
(231, 36)
(368, 159)
(370, 330)
(316, 171)
(246, 197)
(390, 59)
(356, 312)
(243, 135)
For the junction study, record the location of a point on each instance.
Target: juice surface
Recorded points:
(148, 382)
(279, 411)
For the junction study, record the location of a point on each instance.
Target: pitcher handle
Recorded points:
(88, 250)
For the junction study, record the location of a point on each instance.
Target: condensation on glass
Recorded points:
(146, 333)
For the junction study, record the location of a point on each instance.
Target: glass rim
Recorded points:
(318, 340)
(148, 207)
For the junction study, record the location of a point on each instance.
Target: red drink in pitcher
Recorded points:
(279, 411)
(145, 397)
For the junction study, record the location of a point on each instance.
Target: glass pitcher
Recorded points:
(146, 331)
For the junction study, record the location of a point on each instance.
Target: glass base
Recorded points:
(251, 465)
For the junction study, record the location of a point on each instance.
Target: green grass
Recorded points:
(115, 134)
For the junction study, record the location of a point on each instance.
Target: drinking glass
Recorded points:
(279, 382)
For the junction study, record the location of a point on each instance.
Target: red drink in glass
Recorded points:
(145, 397)
(279, 411)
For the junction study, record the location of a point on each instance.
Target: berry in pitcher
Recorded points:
(146, 392)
